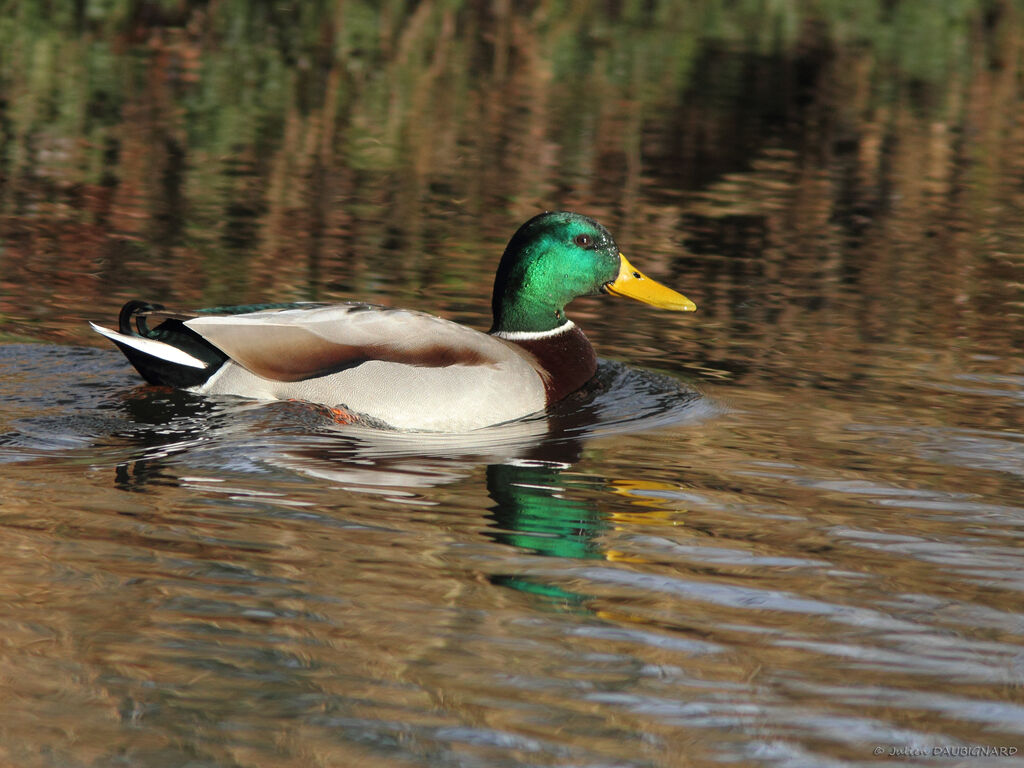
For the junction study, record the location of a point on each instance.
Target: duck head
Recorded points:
(554, 258)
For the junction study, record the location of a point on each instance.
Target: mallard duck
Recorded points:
(397, 367)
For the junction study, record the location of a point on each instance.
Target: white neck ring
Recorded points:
(568, 325)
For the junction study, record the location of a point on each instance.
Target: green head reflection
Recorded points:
(531, 511)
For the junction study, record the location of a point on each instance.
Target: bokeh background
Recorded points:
(208, 152)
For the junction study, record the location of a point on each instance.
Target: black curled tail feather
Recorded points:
(133, 310)
(133, 321)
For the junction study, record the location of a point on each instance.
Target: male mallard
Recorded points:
(403, 368)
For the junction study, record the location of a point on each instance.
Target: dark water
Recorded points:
(783, 531)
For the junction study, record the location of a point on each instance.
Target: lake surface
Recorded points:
(785, 530)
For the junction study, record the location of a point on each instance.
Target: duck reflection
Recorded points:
(538, 503)
(534, 510)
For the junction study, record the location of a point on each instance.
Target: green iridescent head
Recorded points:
(554, 258)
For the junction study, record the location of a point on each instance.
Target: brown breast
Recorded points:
(567, 361)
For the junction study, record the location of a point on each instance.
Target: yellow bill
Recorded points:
(635, 284)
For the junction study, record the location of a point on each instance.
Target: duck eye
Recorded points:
(583, 241)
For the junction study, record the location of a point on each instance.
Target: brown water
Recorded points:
(783, 531)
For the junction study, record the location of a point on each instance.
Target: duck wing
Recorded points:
(301, 343)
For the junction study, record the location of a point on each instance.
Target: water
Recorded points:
(782, 531)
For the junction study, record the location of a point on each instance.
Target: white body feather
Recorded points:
(451, 399)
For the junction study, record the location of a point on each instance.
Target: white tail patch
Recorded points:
(151, 347)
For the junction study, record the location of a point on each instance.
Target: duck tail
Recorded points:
(171, 354)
